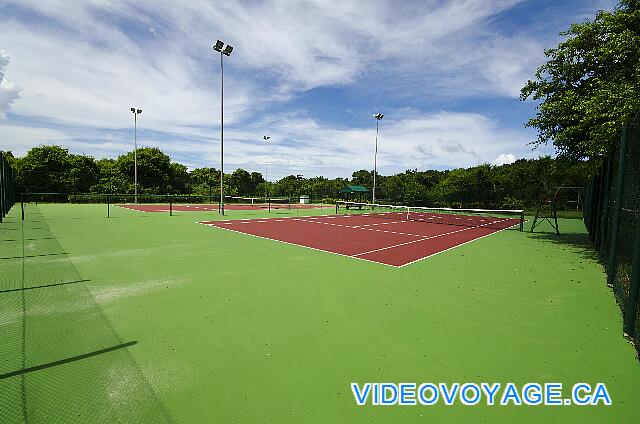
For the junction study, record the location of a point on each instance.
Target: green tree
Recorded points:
(83, 173)
(590, 84)
(289, 186)
(110, 179)
(364, 178)
(241, 183)
(8, 155)
(44, 169)
(179, 178)
(205, 181)
(154, 170)
(403, 188)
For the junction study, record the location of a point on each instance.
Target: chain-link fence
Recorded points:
(7, 187)
(611, 214)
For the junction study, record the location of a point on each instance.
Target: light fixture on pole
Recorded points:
(378, 117)
(266, 168)
(227, 52)
(135, 112)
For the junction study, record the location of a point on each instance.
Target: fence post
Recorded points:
(615, 222)
(634, 287)
(594, 209)
(2, 187)
(604, 207)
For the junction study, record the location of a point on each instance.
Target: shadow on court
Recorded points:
(571, 236)
(61, 360)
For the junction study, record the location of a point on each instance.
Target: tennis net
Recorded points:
(260, 202)
(487, 218)
(254, 201)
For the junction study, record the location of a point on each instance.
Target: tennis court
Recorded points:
(147, 317)
(387, 235)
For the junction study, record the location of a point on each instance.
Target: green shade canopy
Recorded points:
(354, 189)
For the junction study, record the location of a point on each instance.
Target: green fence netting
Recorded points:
(7, 187)
(611, 214)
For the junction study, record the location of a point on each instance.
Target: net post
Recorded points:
(170, 205)
(269, 203)
(337, 203)
(521, 220)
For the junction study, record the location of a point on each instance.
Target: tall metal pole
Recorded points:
(266, 175)
(135, 156)
(375, 164)
(266, 167)
(227, 50)
(221, 136)
(378, 117)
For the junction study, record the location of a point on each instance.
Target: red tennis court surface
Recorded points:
(210, 207)
(387, 241)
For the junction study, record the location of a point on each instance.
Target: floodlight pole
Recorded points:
(378, 117)
(227, 51)
(135, 157)
(221, 135)
(266, 168)
(135, 112)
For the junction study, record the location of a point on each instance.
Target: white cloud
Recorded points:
(85, 63)
(504, 159)
(437, 140)
(21, 138)
(9, 92)
(88, 67)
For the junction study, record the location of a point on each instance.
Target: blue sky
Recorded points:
(310, 74)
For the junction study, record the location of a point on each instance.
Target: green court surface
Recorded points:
(150, 317)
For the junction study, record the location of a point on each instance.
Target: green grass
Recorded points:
(207, 325)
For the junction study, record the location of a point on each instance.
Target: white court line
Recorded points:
(389, 247)
(359, 227)
(357, 255)
(458, 245)
(381, 223)
(299, 245)
(424, 239)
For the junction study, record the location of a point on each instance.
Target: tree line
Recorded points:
(520, 184)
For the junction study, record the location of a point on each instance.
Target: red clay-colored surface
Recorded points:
(210, 207)
(386, 241)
